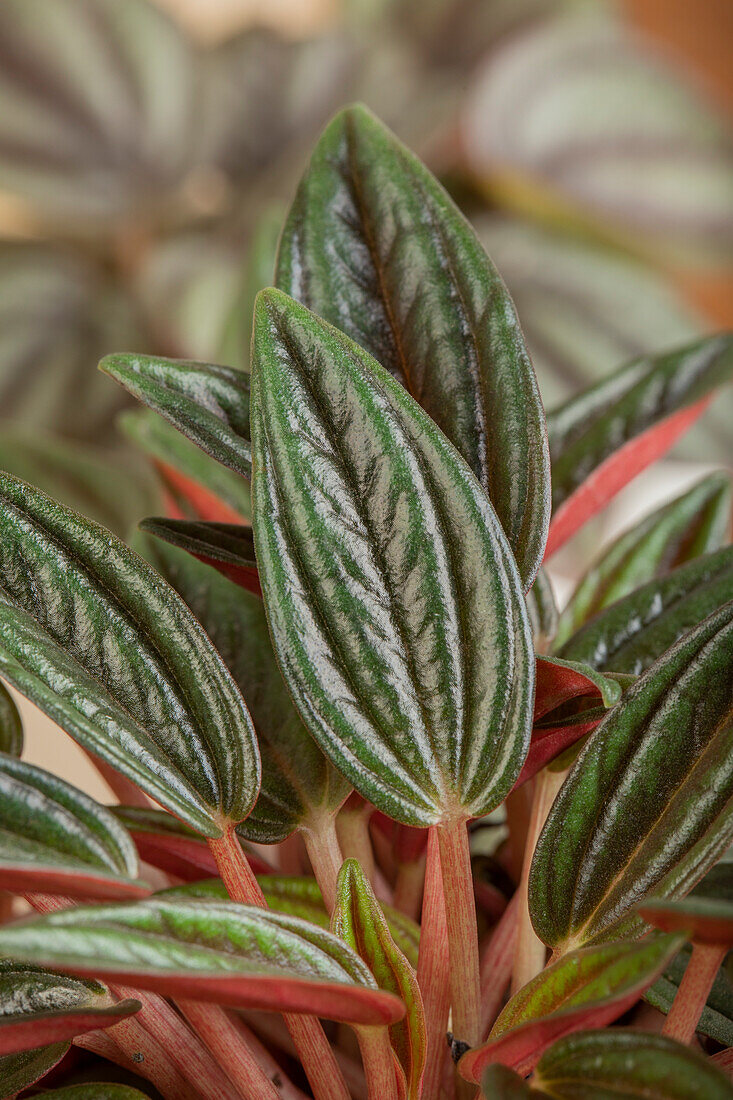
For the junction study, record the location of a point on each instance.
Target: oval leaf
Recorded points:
(228, 547)
(607, 435)
(231, 954)
(633, 632)
(107, 649)
(647, 808)
(374, 245)
(395, 606)
(696, 523)
(616, 1064)
(358, 919)
(55, 839)
(11, 727)
(37, 1006)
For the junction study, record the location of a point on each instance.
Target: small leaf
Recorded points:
(358, 919)
(200, 485)
(558, 681)
(604, 437)
(208, 404)
(633, 632)
(697, 522)
(55, 839)
(375, 246)
(18, 1071)
(298, 783)
(587, 988)
(107, 649)
(616, 1065)
(37, 1006)
(11, 727)
(231, 954)
(702, 920)
(394, 603)
(647, 808)
(228, 547)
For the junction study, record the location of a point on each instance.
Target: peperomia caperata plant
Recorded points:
(365, 775)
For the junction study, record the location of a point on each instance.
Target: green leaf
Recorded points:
(647, 808)
(633, 632)
(208, 404)
(197, 482)
(37, 1006)
(616, 1064)
(394, 603)
(716, 1019)
(695, 523)
(95, 1090)
(228, 547)
(604, 437)
(298, 783)
(700, 919)
(107, 649)
(375, 246)
(206, 950)
(358, 919)
(18, 1071)
(11, 727)
(542, 611)
(55, 839)
(587, 988)
(501, 1083)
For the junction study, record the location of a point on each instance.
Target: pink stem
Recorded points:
(724, 1060)
(324, 852)
(460, 911)
(225, 1043)
(285, 1087)
(692, 995)
(433, 971)
(496, 964)
(379, 1065)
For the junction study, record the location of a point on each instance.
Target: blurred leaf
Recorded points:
(95, 1090)
(700, 919)
(580, 121)
(648, 807)
(501, 1083)
(11, 727)
(542, 611)
(228, 547)
(206, 950)
(55, 839)
(18, 1071)
(259, 271)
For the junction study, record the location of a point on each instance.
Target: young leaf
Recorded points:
(633, 632)
(696, 523)
(200, 485)
(208, 404)
(558, 681)
(107, 649)
(298, 782)
(358, 919)
(587, 988)
(647, 808)
(209, 951)
(228, 547)
(11, 727)
(55, 839)
(37, 1006)
(603, 438)
(621, 1065)
(375, 246)
(394, 603)
(19, 1071)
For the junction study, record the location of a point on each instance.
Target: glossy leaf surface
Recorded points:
(647, 808)
(210, 951)
(358, 919)
(107, 649)
(697, 522)
(633, 632)
(616, 1064)
(703, 920)
(587, 988)
(604, 437)
(11, 727)
(374, 245)
(377, 545)
(228, 547)
(18, 1071)
(298, 782)
(55, 839)
(38, 1006)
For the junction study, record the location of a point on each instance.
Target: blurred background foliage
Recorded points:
(148, 150)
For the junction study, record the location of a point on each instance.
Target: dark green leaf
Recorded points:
(11, 727)
(615, 1065)
(542, 611)
(716, 1019)
(18, 1071)
(632, 633)
(394, 603)
(107, 649)
(647, 808)
(207, 950)
(501, 1083)
(358, 919)
(696, 523)
(55, 839)
(298, 783)
(374, 245)
(95, 1090)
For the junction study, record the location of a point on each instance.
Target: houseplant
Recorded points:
(335, 708)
